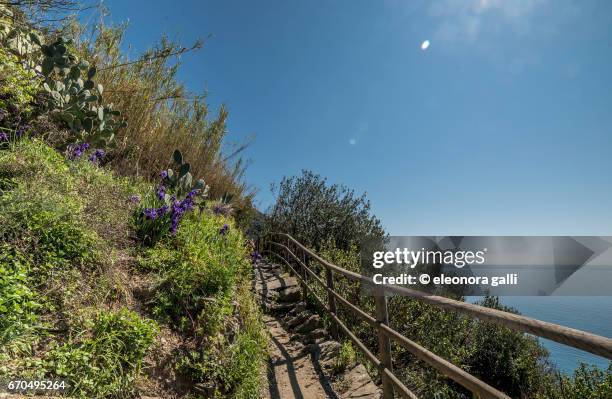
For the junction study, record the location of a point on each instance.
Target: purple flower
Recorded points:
(223, 230)
(161, 192)
(150, 213)
(3, 137)
(163, 174)
(222, 209)
(75, 151)
(256, 257)
(134, 199)
(21, 130)
(97, 155)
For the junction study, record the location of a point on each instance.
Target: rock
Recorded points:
(298, 308)
(312, 323)
(279, 308)
(360, 384)
(293, 322)
(314, 335)
(328, 350)
(206, 390)
(289, 294)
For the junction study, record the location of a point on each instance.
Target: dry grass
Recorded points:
(161, 115)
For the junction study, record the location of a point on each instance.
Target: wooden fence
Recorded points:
(287, 249)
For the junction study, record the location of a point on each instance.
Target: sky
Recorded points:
(502, 126)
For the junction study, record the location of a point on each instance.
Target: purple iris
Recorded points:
(163, 174)
(178, 210)
(161, 192)
(221, 209)
(3, 137)
(134, 199)
(76, 151)
(97, 155)
(21, 130)
(223, 230)
(150, 213)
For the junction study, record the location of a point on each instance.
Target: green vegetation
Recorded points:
(315, 213)
(311, 210)
(90, 286)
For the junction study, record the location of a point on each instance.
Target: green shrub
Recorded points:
(232, 363)
(104, 356)
(315, 212)
(18, 304)
(18, 85)
(203, 269)
(587, 382)
(346, 357)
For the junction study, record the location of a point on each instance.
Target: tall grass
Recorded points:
(162, 115)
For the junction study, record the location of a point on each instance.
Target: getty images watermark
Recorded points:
(506, 265)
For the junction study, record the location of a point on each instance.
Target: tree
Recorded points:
(315, 212)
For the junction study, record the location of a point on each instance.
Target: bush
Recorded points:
(18, 304)
(346, 357)
(18, 85)
(104, 356)
(231, 364)
(314, 213)
(587, 383)
(204, 291)
(200, 273)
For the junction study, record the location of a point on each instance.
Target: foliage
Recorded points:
(511, 361)
(18, 303)
(200, 273)
(18, 85)
(313, 212)
(15, 35)
(200, 268)
(104, 356)
(231, 364)
(59, 214)
(346, 357)
(587, 383)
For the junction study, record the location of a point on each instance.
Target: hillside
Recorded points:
(81, 299)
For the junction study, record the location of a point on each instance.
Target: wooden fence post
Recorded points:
(331, 301)
(384, 342)
(304, 275)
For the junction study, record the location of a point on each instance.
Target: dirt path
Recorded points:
(291, 370)
(302, 356)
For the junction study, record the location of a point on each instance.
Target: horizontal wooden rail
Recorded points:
(579, 339)
(585, 341)
(457, 374)
(369, 355)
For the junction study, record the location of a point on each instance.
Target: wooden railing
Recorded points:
(287, 245)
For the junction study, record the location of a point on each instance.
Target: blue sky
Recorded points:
(502, 126)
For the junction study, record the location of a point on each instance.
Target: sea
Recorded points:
(588, 313)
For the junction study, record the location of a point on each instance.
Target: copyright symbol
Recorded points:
(424, 279)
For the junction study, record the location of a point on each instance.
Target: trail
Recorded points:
(302, 356)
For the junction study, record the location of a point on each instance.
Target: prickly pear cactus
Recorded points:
(181, 182)
(74, 98)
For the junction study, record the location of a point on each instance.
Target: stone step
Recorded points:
(312, 323)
